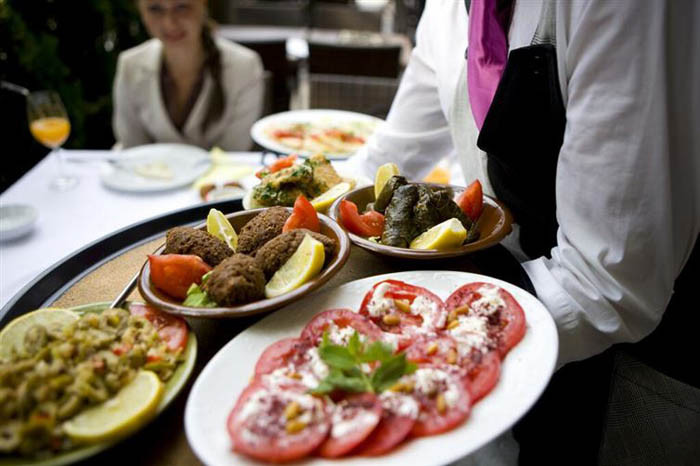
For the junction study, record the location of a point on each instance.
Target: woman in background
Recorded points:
(185, 85)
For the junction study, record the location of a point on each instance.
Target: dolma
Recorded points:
(399, 228)
(385, 196)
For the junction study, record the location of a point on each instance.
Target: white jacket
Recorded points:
(141, 118)
(628, 178)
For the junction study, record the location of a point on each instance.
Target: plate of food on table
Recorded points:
(417, 220)
(281, 182)
(420, 367)
(244, 263)
(75, 381)
(333, 133)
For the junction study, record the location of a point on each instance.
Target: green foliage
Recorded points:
(345, 363)
(70, 46)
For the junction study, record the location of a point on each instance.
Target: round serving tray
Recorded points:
(65, 273)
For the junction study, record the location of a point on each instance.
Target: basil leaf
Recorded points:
(389, 372)
(335, 355)
(348, 384)
(323, 388)
(355, 346)
(378, 351)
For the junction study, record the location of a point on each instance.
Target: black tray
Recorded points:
(62, 275)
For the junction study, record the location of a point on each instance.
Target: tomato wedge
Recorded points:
(381, 306)
(171, 329)
(398, 418)
(368, 224)
(505, 316)
(354, 418)
(303, 216)
(260, 427)
(335, 320)
(280, 163)
(471, 201)
(174, 273)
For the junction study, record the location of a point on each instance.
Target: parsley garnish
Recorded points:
(345, 363)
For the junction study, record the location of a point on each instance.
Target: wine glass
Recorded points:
(49, 124)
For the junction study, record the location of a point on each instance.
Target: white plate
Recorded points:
(16, 220)
(525, 373)
(316, 116)
(183, 162)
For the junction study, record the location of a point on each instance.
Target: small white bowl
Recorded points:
(16, 220)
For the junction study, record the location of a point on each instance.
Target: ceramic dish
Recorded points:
(493, 225)
(162, 301)
(172, 387)
(155, 167)
(317, 118)
(16, 220)
(524, 375)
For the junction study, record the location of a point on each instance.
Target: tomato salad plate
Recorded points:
(420, 367)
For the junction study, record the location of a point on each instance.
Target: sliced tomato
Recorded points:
(281, 163)
(368, 224)
(341, 318)
(303, 216)
(171, 329)
(354, 418)
(506, 324)
(345, 136)
(436, 415)
(384, 304)
(482, 374)
(398, 418)
(258, 426)
(434, 349)
(471, 201)
(174, 273)
(280, 354)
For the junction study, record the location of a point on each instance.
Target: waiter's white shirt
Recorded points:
(140, 115)
(628, 178)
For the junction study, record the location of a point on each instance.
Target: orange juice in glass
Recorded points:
(50, 131)
(49, 124)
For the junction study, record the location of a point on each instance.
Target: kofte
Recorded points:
(273, 254)
(236, 280)
(261, 229)
(186, 240)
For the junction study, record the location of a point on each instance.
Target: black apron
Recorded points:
(522, 135)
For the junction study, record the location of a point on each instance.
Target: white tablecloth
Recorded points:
(72, 219)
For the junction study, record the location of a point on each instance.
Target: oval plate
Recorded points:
(524, 375)
(313, 116)
(172, 388)
(494, 224)
(164, 302)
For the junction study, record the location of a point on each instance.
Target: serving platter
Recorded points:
(494, 224)
(525, 373)
(172, 388)
(237, 219)
(315, 117)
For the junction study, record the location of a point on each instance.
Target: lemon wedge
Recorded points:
(219, 226)
(324, 201)
(383, 174)
(301, 267)
(12, 336)
(128, 409)
(446, 235)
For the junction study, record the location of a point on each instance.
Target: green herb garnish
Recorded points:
(197, 297)
(345, 363)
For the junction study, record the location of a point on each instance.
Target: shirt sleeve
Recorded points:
(127, 127)
(245, 107)
(612, 271)
(415, 133)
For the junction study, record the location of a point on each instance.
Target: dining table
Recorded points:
(91, 213)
